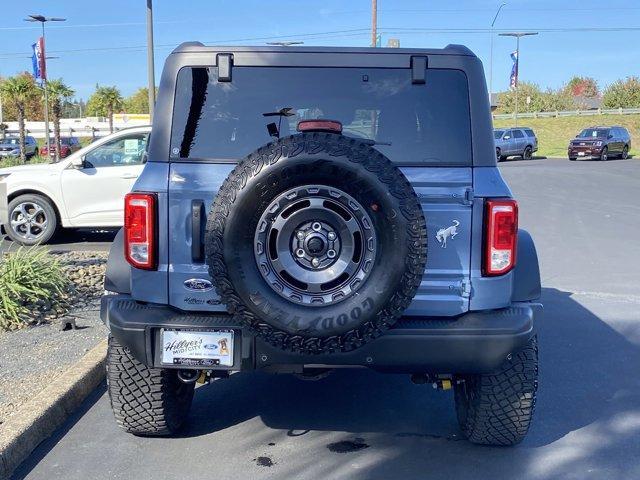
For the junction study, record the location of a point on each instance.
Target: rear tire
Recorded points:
(573, 159)
(145, 401)
(496, 408)
(528, 153)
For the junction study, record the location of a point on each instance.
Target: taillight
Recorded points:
(501, 233)
(140, 230)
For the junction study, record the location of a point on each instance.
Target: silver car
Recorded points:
(10, 147)
(511, 142)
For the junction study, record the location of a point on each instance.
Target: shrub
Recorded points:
(623, 94)
(30, 280)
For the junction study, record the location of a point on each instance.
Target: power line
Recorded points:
(340, 34)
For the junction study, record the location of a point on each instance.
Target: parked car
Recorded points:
(10, 147)
(68, 145)
(317, 232)
(600, 143)
(511, 142)
(84, 190)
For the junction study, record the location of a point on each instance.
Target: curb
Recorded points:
(43, 414)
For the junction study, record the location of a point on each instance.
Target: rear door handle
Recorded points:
(128, 175)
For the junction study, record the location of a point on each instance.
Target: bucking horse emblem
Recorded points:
(445, 233)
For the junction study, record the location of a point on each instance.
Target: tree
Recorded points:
(105, 101)
(583, 87)
(33, 110)
(623, 94)
(17, 92)
(138, 102)
(58, 93)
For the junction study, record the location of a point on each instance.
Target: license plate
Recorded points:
(197, 348)
(581, 154)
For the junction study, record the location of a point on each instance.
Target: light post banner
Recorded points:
(38, 60)
(513, 80)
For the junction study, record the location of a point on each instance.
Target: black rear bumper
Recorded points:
(475, 342)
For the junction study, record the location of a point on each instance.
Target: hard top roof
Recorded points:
(451, 49)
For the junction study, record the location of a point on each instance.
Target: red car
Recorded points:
(68, 145)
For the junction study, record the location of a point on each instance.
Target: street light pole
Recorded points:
(374, 23)
(491, 51)
(42, 19)
(150, 63)
(517, 80)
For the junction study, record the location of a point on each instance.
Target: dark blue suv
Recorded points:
(306, 209)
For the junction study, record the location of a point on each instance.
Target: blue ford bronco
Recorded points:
(306, 209)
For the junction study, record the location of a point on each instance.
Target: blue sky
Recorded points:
(103, 42)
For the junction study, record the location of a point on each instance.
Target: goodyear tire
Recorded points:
(497, 408)
(317, 243)
(145, 401)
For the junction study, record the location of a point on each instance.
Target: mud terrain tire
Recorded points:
(497, 408)
(145, 401)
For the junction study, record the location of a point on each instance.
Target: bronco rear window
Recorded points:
(414, 123)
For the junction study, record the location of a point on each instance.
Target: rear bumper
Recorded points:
(472, 343)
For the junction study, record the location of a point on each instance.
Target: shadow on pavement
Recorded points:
(68, 237)
(588, 378)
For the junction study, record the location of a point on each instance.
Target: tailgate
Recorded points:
(444, 194)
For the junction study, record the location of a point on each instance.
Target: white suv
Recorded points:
(84, 190)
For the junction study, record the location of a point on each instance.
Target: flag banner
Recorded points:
(38, 61)
(513, 80)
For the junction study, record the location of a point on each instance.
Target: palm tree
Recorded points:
(19, 91)
(58, 92)
(109, 99)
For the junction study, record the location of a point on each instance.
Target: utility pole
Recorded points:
(150, 63)
(491, 52)
(374, 23)
(42, 19)
(517, 35)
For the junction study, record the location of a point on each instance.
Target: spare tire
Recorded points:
(316, 242)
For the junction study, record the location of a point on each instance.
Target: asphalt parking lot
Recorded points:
(585, 218)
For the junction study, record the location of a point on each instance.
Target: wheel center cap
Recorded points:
(315, 245)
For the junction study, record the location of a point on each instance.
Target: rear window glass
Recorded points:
(529, 133)
(423, 123)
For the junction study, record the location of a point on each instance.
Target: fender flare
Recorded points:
(118, 275)
(526, 273)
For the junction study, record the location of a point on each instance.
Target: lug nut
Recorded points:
(331, 235)
(315, 262)
(300, 252)
(316, 226)
(300, 234)
(331, 253)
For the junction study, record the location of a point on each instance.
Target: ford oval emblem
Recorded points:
(198, 285)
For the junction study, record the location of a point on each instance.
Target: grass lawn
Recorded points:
(554, 133)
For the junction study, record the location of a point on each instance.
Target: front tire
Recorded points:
(32, 220)
(145, 401)
(604, 155)
(625, 152)
(497, 408)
